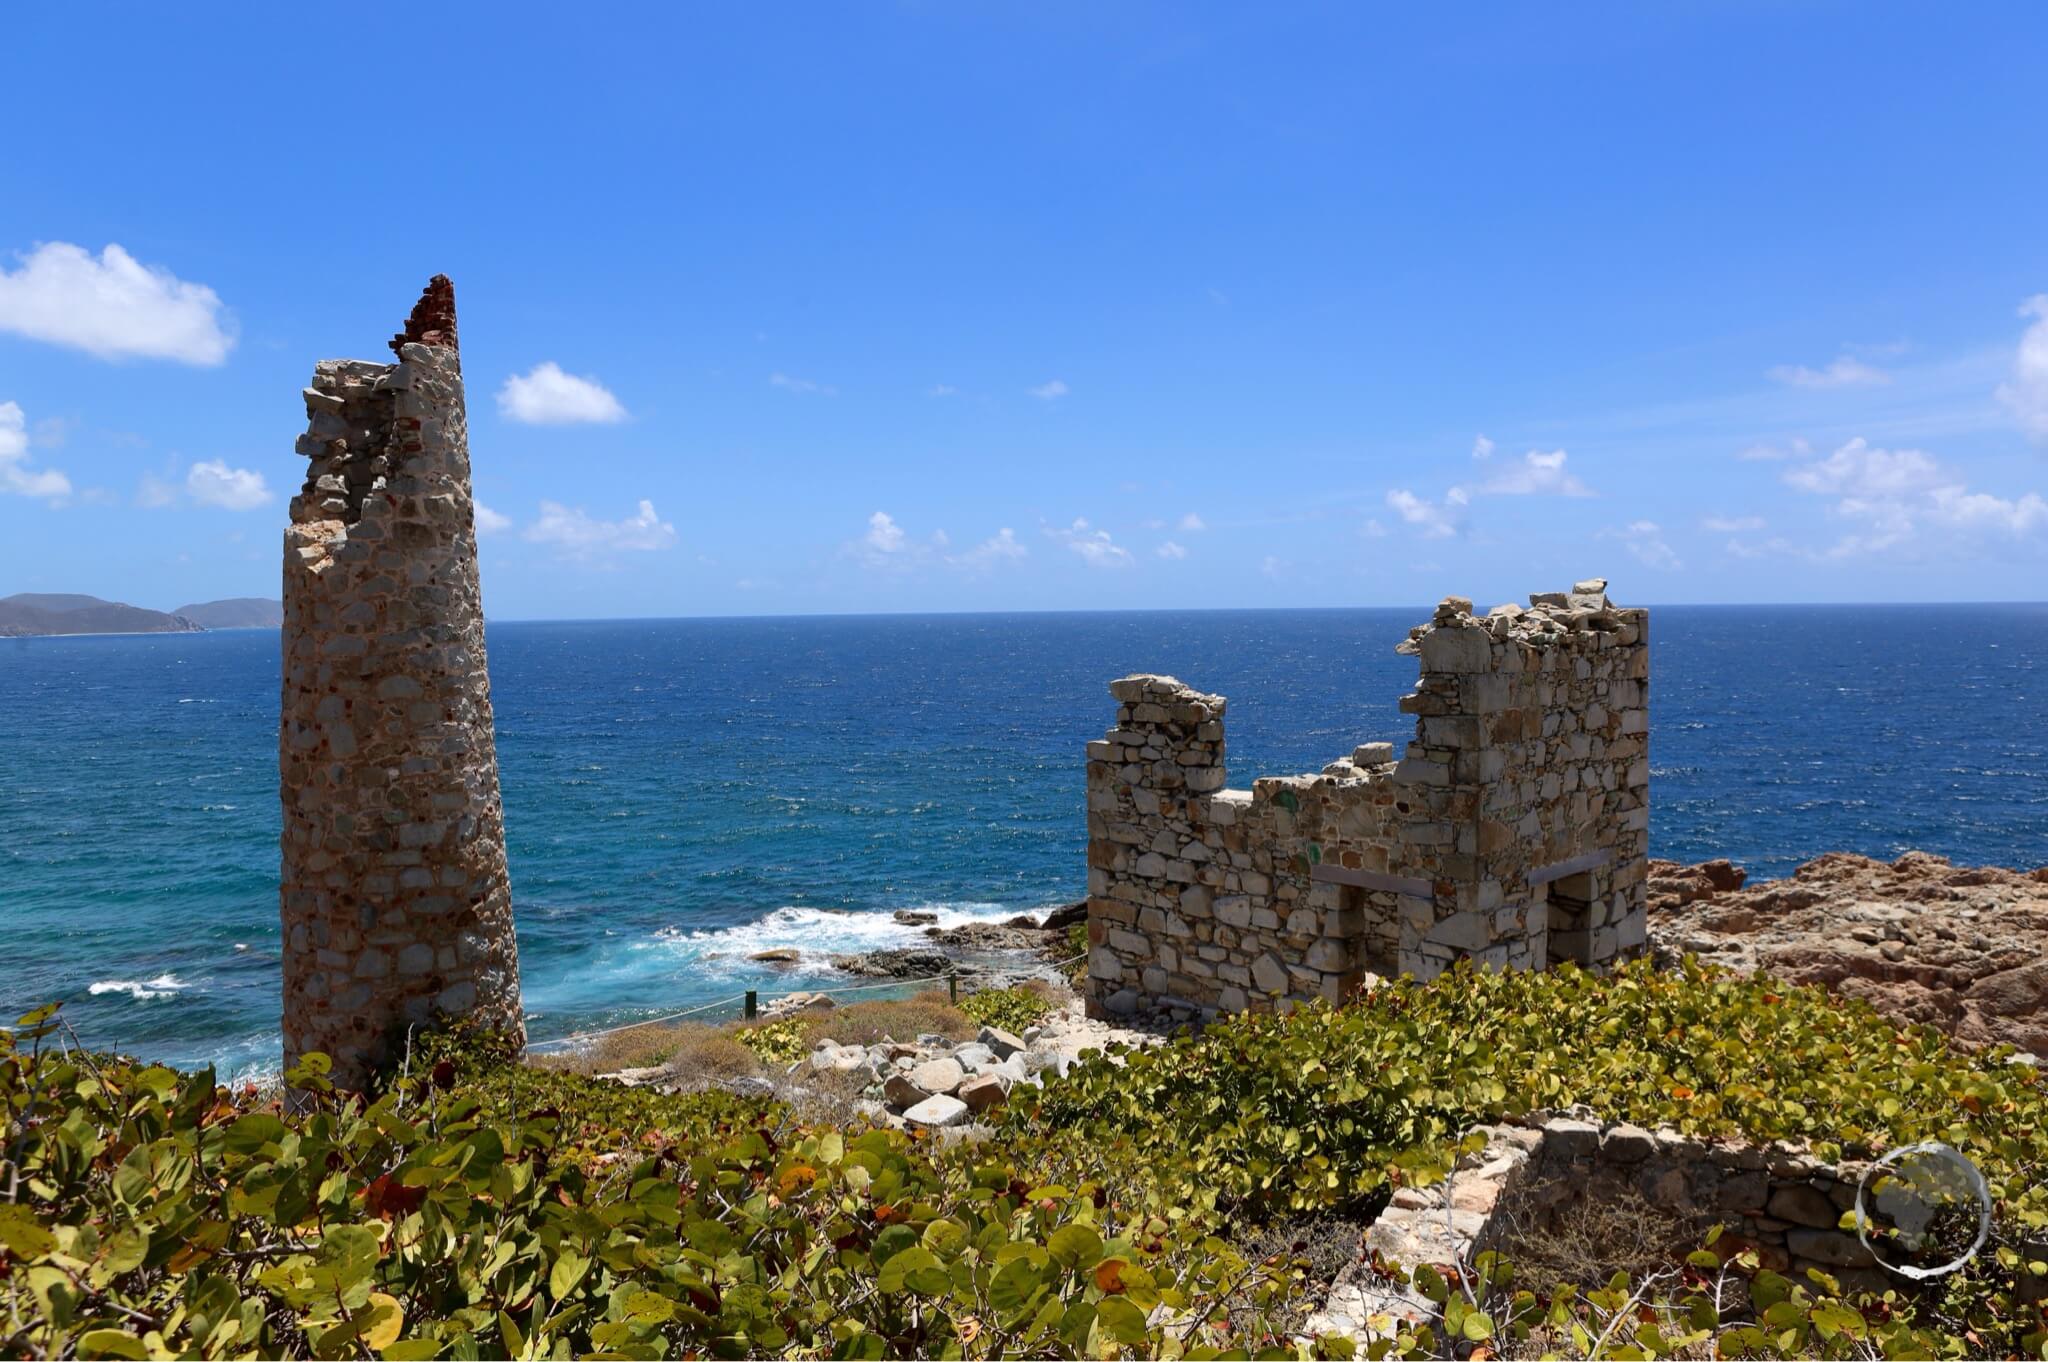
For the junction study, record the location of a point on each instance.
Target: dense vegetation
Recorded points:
(481, 1207)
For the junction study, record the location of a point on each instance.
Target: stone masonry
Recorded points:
(1777, 1201)
(1514, 830)
(396, 905)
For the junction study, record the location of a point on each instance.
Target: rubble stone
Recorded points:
(937, 1112)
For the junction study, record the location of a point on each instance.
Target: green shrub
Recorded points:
(502, 1210)
(777, 1042)
(1012, 1009)
(481, 1207)
(1337, 1106)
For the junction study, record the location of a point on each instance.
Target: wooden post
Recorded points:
(753, 1004)
(953, 986)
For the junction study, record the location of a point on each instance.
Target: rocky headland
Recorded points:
(1962, 948)
(50, 614)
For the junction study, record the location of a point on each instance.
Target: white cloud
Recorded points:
(1775, 547)
(941, 390)
(1193, 523)
(1961, 509)
(1372, 529)
(548, 397)
(1433, 520)
(1001, 547)
(112, 306)
(1891, 496)
(1538, 474)
(1857, 470)
(1846, 372)
(154, 493)
(1767, 453)
(577, 534)
(1273, 567)
(489, 521)
(2026, 392)
(1095, 546)
(790, 383)
(1046, 392)
(1645, 542)
(888, 546)
(211, 482)
(1737, 524)
(15, 474)
(1171, 550)
(884, 534)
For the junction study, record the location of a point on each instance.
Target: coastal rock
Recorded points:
(899, 1092)
(990, 936)
(778, 955)
(1000, 1042)
(1961, 948)
(1673, 885)
(938, 1075)
(831, 1058)
(937, 1112)
(906, 963)
(1065, 916)
(914, 917)
(982, 1093)
(789, 1004)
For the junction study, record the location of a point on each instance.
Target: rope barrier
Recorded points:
(739, 1000)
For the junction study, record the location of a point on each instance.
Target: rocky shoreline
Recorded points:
(985, 954)
(1960, 948)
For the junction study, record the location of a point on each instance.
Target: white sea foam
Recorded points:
(163, 986)
(820, 932)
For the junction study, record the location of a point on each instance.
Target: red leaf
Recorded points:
(390, 1199)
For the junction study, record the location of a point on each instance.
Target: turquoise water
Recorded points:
(680, 793)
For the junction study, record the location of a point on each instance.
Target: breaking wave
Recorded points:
(163, 986)
(818, 933)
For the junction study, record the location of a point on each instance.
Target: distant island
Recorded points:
(240, 612)
(37, 614)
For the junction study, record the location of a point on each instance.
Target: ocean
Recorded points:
(681, 793)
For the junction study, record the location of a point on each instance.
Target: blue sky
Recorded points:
(923, 307)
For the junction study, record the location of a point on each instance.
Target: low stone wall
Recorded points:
(1513, 830)
(1777, 1200)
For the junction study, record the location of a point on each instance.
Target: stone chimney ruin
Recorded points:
(396, 904)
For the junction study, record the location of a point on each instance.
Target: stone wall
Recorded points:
(1777, 1200)
(394, 895)
(1514, 829)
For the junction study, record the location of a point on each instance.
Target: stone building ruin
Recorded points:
(1514, 830)
(396, 904)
